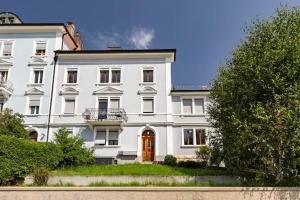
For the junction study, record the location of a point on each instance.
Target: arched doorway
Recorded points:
(148, 145)
(33, 135)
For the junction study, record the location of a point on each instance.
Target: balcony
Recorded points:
(110, 116)
(6, 88)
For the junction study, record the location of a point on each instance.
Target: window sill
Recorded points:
(106, 146)
(6, 57)
(39, 56)
(70, 84)
(108, 84)
(147, 114)
(148, 83)
(67, 115)
(35, 84)
(33, 115)
(192, 146)
(192, 115)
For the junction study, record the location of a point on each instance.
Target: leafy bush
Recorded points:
(191, 164)
(74, 154)
(217, 153)
(19, 157)
(12, 124)
(40, 176)
(203, 154)
(170, 160)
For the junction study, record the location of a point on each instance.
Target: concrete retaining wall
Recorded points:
(26, 193)
(86, 180)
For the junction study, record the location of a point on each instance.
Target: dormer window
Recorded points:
(40, 49)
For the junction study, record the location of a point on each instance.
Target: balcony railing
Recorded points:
(6, 85)
(110, 114)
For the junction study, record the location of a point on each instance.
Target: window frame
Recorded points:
(33, 76)
(110, 69)
(2, 48)
(194, 136)
(63, 103)
(35, 46)
(68, 69)
(193, 105)
(142, 105)
(28, 107)
(107, 131)
(142, 75)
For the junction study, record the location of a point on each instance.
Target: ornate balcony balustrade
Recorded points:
(97, 116)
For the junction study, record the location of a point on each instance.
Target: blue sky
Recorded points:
(204, 32)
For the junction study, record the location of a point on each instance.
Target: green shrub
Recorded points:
(74, 154)
(203, 154)
(170, 160)
(40, 176)
(19, 157)
(191, 164)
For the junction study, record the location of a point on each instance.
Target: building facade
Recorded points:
(121, 102)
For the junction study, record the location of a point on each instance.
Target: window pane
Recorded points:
(200, 136)
(69, 106)
(113, 137)
(3, 76)
(115, 76)
(7, 48)
(40, 48)
(34, 110)
(148, 106)
(148, 75)
(104, 76)
(188, 137)
(100, 137)
(38, 76)
(187, 106)
(114, 105)
(72, 77)
(199, 106)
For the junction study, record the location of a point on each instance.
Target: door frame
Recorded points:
(154, 145)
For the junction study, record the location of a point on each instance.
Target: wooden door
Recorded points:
(148, 146)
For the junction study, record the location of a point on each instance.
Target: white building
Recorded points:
(120, 101)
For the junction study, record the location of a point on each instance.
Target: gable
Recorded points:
(69, 91)
(108, 90)
(147, 90)
(37, 61)
(34, 91)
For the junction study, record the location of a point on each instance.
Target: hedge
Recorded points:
(19, 157)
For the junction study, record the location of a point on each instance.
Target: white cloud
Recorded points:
(139, 38)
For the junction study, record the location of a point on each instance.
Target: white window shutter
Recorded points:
(115, 104)
(69, 106)
(199, 106)
(148, 106)
(187, 106)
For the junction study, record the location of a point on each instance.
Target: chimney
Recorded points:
(114, 47)
(78, 40)
(71, 28)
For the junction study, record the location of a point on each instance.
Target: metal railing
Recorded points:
(6, 84)
(109, 114)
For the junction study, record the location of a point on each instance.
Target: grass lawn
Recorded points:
(137, 170)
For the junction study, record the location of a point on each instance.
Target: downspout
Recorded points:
(52, 86)
(51, 96)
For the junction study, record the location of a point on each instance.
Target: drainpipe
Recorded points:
(51, 96)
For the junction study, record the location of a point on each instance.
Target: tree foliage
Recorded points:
(12, 124)
(74, 153)
(255, 107)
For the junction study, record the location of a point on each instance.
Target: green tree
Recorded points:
(12, 124)
(255, 108)
(74, 154)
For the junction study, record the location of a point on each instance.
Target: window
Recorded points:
(115, 76)
(38, 76)
(188, 137)
(148, 105)
(194, 136)
(11, 20)
(2, 20)
(148, 76)
(34, 107)
(100, 137)
(40, 49)
(3, 76)
(115, 105)
(69, 106)
(104, 76)
(113, 137)
(199, 106)
(1, 105)
(7, 48)
(187, 106)
(200, 136)
(72, 76)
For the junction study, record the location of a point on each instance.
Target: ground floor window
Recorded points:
(193, 136)
(107, 137)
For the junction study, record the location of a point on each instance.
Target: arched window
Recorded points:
(33, 135)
